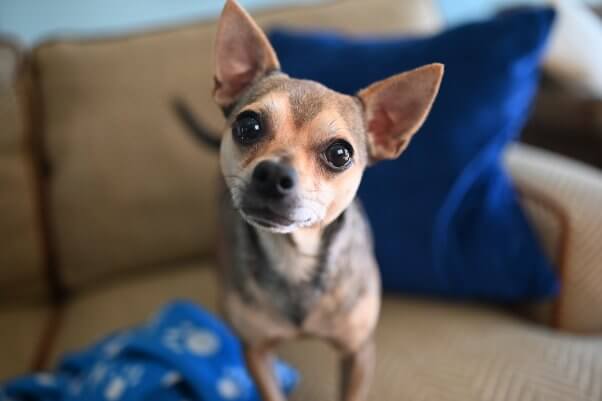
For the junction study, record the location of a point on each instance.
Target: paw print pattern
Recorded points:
(232, 383)
(133, 373)
(115, 345)
(171, 378)
(228, 388)
(115, 388)
(98, 373)
(188, 338)
(115, 383)
(45, 379)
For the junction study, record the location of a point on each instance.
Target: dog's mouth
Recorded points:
(276, 215)
(266, 217)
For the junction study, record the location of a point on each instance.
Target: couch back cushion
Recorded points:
(129, 187)
(21, 256)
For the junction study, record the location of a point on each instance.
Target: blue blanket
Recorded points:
(183, 353)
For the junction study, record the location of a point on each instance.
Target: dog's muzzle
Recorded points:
(271, 196)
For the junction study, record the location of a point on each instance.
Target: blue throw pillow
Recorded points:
(446, 217)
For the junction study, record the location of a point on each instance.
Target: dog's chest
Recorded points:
(274, 291)
(272, 273)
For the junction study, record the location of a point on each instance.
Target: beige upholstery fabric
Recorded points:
(96, 312)
(547, 223)
(21, 328)
(576, 191)
(435, 352)
(549, 226)
(21, 260)
(356, 16)
(129, 186)
(428, 351)
(574, 53)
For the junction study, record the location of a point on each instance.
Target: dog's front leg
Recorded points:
(356, 373)
(260, 363)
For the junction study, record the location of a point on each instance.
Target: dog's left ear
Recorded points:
(242, 54)
(395, 108)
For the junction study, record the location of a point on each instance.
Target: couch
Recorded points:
(107, 211)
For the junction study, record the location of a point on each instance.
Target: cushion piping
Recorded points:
(50, 331)
(36, 130)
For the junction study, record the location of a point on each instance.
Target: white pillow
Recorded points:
(574, 55)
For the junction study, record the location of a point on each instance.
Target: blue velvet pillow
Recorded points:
(445, 215)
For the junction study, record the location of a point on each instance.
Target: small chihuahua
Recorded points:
(296, 248)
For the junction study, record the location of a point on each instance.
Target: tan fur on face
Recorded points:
(302, 119)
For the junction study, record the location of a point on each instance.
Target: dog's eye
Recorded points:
(339, 155)
(247, 128)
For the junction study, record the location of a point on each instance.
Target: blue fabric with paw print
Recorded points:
(183, 353)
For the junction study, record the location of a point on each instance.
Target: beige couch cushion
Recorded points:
(550, 230)
(96, 312)
(130, 187)
(550, 225)
(21, 257)
(21, 330)
(427, 351)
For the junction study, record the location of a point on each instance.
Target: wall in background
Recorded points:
(457, 11)
(32, 20)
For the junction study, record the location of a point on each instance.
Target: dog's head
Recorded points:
(294, 151)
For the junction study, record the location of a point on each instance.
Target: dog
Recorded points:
(296, 249)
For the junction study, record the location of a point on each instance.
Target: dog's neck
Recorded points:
(307, 240)
(306, 248)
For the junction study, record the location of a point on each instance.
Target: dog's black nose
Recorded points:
(273, 179)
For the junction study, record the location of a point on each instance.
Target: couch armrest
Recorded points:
(564, 199)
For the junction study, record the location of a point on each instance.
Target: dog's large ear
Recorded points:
(395, 108)
(242, 54)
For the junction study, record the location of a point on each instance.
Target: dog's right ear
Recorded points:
(242, 54)
(396, 107)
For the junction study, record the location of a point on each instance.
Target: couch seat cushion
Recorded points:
(99, 310)
(430, 351)
(21, 330)
(426, 350)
